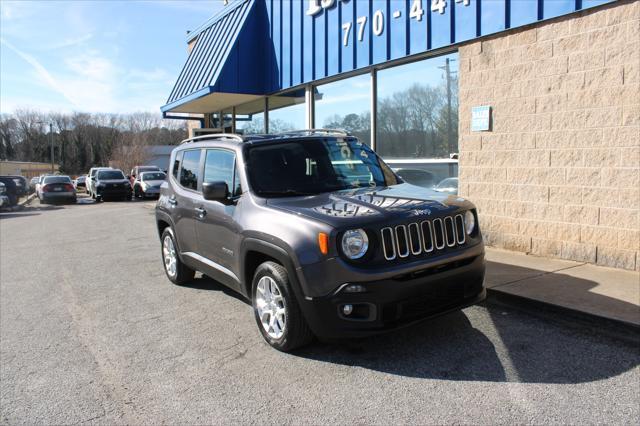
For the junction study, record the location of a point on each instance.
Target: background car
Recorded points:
(32, 184)
(11, 191)
(22, 185)
(57, 189)
(448, 185)
(140, 169)
(89, 183)
(417, 177)
(80, 182)
(147, 184)
(111, 184)
(4, 199)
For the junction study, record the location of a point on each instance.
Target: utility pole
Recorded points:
(51, 140)
(449, 129)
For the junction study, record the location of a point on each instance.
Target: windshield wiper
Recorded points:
(291, 192)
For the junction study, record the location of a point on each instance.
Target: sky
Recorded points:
(94, 56)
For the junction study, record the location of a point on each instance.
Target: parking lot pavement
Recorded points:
(91, 331)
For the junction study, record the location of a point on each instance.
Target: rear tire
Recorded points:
(276, 309)
(177, 272)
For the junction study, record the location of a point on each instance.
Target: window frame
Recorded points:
(198, 189)
(235, 176)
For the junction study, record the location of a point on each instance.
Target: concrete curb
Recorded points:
(618, 329)
(27, 200)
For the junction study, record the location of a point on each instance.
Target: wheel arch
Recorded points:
(254, 252)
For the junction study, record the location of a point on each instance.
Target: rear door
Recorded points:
(184, 198)
(216, 226)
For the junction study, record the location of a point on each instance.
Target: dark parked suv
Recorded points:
(318, 232)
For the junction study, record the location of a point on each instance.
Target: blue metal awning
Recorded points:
(218, 71)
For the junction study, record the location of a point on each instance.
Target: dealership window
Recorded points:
(287, 111)
(250, 117)
(345, 104)
(417, 119)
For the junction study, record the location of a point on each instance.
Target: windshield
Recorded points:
(153, 176)
(57, 179)
(110, 174)
(314, 166)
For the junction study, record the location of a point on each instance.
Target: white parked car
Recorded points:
(147, 184)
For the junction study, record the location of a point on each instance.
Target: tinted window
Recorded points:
(189, 170)
(57, 179)
(219, 166)
(110, 175)
(176, 164)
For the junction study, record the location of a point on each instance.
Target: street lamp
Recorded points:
(50, 141)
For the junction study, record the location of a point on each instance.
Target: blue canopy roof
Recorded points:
(227, 51)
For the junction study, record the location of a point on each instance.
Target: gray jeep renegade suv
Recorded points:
(318, 233)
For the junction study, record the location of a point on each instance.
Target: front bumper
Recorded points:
(398, 301)
(113, 192)
(151, 192)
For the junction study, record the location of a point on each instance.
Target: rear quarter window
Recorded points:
(189, 169)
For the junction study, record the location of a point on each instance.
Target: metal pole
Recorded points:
(51, 139)
(374, 109)
(449, 129)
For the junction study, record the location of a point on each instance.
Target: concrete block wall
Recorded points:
(559, 173)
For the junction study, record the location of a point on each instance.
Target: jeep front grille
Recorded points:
(422, 237)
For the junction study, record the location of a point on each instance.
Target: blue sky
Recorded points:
(94, 56)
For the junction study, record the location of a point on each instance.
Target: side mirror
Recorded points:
(93, 178)
(215, 191)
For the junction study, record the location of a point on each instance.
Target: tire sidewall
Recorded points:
(169, 232)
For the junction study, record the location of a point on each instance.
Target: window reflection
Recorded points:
(417, 121)
(250, 118)
(287, 111)
(345, 104)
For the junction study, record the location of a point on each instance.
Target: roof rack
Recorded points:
(223, 136)
(313, 131)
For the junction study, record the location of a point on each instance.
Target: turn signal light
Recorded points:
(323, 243)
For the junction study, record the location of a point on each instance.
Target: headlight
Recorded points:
(355, 243)
(469, 222)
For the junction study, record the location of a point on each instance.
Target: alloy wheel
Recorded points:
(169, 255)
(271, 307)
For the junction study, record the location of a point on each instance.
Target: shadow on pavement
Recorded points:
(523, 349)
(511, 347)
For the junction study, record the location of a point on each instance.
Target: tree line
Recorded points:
(420, 121)
(84, 140)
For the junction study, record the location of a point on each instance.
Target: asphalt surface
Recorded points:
(91, 331)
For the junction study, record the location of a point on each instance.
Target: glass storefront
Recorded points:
(250, 118)
(345, 104)
(287, 111)
(417, 120)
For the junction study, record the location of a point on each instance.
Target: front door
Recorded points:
(185, 197)
(216, 226)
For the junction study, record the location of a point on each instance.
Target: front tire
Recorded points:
(177, 272)
(276, 309)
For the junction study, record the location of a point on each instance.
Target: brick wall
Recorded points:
(559, 173)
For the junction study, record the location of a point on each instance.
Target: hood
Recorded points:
(153, 182)
(369, 205)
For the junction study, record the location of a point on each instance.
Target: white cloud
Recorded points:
(41, 71)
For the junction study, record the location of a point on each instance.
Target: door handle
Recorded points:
(201, 212)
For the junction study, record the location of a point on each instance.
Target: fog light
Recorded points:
(347, 309)
(355, 288)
